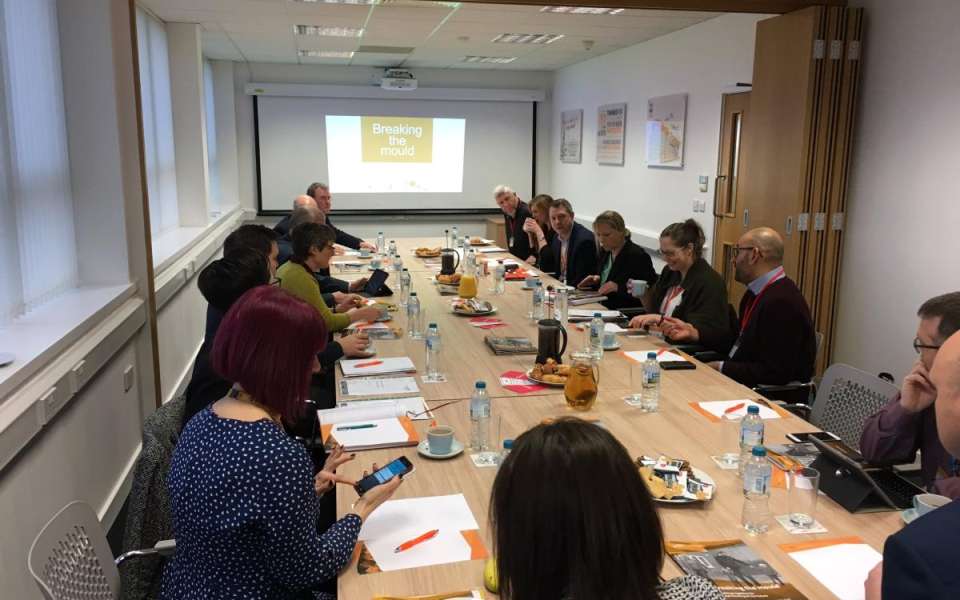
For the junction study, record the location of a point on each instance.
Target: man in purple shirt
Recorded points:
(907, 424)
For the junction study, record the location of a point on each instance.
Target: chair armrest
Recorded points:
(161, 548)
(801, 410)
(707, 356)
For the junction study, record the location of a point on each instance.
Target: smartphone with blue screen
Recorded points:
(399, 467)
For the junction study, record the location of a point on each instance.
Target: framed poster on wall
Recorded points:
(571, 134)
(666, 117)
(611, 132)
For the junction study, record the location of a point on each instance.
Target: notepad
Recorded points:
(379, 366)
(841, 565)
(588, 313)
(379, 386)
(718, 409)
(384, 433)
(663, 355)
(359, 410)
(488, 249)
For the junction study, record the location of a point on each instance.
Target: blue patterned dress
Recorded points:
(245, 515)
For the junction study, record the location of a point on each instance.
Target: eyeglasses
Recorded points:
(736, 249)
(918, 346)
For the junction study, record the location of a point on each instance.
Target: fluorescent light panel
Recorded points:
(325, 53)
(328, 31)
(527, 38)
(581, 10)
(497, 60)
(361, 2)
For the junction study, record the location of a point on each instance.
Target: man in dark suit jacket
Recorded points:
(920, 561)
(573, 252)
(320, 192)
(515, 212)
(776, 343)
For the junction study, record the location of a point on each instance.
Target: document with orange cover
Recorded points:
(371, 434)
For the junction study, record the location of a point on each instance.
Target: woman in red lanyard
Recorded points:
(688, 303)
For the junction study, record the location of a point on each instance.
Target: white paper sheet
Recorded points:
(662, 356)
(377, 366)
(419, 515)
(360, 410)
(588, 312)
(841, 568)
(613, 328)
(488, 249)
(376, 386)
(717, 408)
(387, 432)
(446, 547)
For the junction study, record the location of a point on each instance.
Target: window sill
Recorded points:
(171, 245)
(43, 334)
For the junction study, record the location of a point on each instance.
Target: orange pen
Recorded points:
(734, 408)
(372, 363)
(411, 543)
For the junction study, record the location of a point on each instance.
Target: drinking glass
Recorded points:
(802, 497)
(635, 397)
(730, 441)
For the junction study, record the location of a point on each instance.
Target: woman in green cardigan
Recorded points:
(312, 250)
(688, 303)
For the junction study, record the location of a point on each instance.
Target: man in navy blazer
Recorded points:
(920, 561)
(573, 252)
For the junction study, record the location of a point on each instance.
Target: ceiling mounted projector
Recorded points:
(398, 79)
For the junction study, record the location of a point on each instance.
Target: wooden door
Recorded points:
(776, 158)
(727, 224)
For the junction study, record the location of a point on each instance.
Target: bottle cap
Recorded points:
(595, 315)
(432, 325)
(652, 355)
(406, 269)
(759, 451)
(753, 409)
(507, 444)
(413, 293)
(481, 385)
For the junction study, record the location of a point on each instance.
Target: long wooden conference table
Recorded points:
(676, 430)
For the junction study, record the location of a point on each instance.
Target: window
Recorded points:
(213, 201)
(37, 239)
(156, 106)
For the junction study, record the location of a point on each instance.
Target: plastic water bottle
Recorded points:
(380, 242)
(480, 418)
(433, 352)
(455, 237)
(446, 238)
(397, 263)
(562, 305)
(751, 434)
(499, 277)
(405, 282)
(507, 447)
(756, 492)
(536, 311)
(414, 326)
(596, 336)
(650, 394)
(392, 248)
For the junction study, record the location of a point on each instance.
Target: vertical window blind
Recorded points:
(39, 258)
(157, 110)
(213, 192)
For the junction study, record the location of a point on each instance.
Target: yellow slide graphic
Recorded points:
(397, 139)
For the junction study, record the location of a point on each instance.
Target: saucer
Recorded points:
(613, 347)
(423, 448)
(909, 515)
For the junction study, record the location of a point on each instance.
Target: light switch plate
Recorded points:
(128, 378)
(704, 182)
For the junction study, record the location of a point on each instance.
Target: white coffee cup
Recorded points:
(924, 503)
(637, 287)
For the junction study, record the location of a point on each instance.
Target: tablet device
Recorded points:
(376, 281)
(677, 365)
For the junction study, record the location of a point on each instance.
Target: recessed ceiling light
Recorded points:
(498, 60)
(527, 38)
(325, 53)
(581, 10)
(328, 31)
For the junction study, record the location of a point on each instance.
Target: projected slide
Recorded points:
(394, 154)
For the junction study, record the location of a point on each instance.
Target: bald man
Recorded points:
(920, 561)
(283, 227)
(776, 342)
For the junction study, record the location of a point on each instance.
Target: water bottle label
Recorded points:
(758, 484)
(651, 377)
(751, 438)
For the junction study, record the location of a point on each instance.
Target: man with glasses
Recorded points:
(776, 343)
(907, 424)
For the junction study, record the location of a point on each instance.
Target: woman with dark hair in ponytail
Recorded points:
(688, 304)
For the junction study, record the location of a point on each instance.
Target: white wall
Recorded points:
(456, 78)
(901, 245)
(703, 61)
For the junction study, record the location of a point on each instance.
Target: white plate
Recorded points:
(423, 449)
(700, 476)
(614, 347)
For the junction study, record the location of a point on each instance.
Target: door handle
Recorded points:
(716, 191)
(746, 217)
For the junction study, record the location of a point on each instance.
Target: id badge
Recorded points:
(736, 346)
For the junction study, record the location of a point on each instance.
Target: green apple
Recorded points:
(490, 580)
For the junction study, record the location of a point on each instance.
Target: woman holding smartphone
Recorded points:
(609, 542)
(243, 496)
